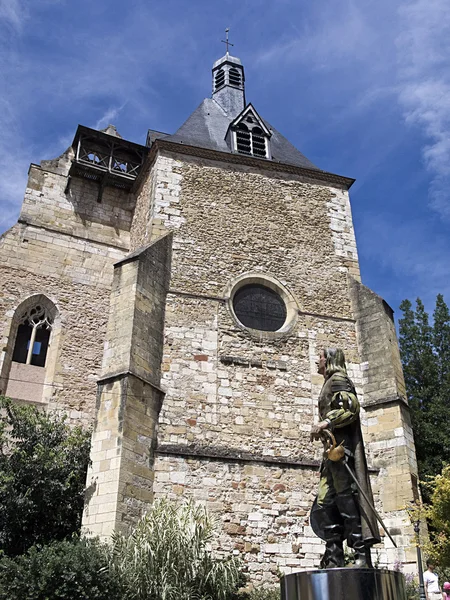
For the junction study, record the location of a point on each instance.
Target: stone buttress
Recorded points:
(129, 398)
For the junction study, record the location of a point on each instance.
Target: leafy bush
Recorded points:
(43, 464)
(67, 570)
(167, 557)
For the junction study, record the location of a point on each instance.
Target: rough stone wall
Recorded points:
(232, 220)
(227, 391)
(263, 508)
(64, 247)
(71, 206)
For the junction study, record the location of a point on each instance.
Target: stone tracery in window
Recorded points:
(259, 307)
(33, 336)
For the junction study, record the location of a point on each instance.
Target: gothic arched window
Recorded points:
(33, 336)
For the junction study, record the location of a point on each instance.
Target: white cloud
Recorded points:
(398, 49)
(424, 87)
(84, 71)
(12, 12)
(109, 117)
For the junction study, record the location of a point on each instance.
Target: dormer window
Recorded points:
(251, 141)
(250, 135)
(234, 77)
(219, 79)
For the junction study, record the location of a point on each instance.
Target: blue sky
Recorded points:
(362, 88)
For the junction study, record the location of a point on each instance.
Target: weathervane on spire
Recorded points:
(225, 41)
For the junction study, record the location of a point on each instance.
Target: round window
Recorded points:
(259, 307)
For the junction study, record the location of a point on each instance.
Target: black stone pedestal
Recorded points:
(344, 584)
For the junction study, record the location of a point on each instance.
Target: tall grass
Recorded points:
(166, 557)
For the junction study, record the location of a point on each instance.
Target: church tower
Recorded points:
(200, 276)
(254, 260)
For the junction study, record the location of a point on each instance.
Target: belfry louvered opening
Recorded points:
(259, 142)
(243, 139)
(234, 77)
(219, 79)
(251, 140)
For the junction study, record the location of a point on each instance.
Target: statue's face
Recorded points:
(322, 363)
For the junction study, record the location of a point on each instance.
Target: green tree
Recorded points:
(43, 464)
(425, 353)
(441, 342)
(166, 557)
(438, 516)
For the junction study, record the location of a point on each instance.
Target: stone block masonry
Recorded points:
(129, 399)
(120, 478)
(263, 509)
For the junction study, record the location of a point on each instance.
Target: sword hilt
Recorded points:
(333, 451)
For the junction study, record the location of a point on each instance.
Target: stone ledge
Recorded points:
(270, 165)
(374, 404)
(136, 254)
(224, 454)
(281, 365)
(329, 317)
(196, 296)
(61, 232)
(223, 300)
(109, 377)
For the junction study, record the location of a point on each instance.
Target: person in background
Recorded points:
(446, 590)
(431, 583)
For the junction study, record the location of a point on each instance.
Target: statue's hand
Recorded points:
(316, 430)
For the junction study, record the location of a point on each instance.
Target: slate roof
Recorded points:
(207, 127)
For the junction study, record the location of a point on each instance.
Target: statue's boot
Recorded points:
(334, 552)
(349, 509)
(333, 534)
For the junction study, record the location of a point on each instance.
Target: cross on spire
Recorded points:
(225, 41)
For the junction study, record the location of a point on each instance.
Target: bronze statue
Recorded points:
(343, 508)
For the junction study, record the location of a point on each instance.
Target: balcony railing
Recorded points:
(107, 159)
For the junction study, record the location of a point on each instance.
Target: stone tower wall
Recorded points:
(234, 425)
(64, 246)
